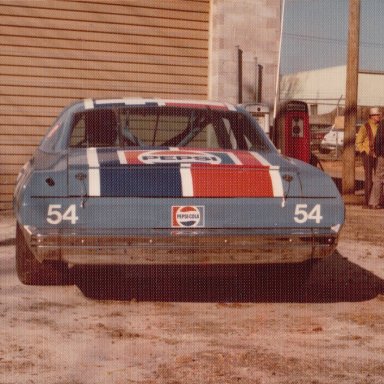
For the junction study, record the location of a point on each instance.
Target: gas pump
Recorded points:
(291, 132)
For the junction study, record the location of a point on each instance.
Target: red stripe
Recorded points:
(231, 182)
(133, 156)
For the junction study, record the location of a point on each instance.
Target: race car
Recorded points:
(136, 182)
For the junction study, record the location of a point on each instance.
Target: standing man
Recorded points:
(378, 178)
(365, 145)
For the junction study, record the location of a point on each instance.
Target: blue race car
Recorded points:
(167, 182)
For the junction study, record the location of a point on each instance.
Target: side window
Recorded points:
(49, 141)
(95, 128)
(78, 132)
(249, 137)
(229, 131)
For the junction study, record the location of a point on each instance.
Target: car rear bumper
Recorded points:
(173, 247)
(330, 147)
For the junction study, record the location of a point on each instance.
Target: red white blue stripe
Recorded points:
(181, 173)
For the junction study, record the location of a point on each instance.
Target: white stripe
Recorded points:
(264, 161)
(260, 158)
(186, 180)
(122, 157)
(277, 184)
(93, 160)
(88, 104)
(187, 102)
(234, 158)
(93, 172)
(230, 107)
(127, 101)
(120, 101)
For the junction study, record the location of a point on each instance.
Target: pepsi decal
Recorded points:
(178, 157)
(188, 216)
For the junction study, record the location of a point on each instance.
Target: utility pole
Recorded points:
(239, 75)
(277, 89)
(348, 176)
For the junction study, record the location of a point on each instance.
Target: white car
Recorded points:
(334, 139)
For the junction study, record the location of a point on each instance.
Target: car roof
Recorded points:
(203, 104)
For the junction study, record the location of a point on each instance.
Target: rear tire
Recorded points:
(31, 272)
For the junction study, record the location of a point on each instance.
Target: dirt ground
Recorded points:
(267, 324)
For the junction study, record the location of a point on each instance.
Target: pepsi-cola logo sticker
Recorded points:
(188, 216)
(178, 157)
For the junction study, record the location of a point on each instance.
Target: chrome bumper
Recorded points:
(186, 247)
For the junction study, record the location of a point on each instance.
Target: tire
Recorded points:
(31, 272)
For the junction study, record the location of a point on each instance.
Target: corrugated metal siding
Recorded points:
(53, 52)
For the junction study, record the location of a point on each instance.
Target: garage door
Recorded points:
(53, 52)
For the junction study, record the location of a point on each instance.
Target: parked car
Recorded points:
(317, 135)
(333, 140)
(166, 182)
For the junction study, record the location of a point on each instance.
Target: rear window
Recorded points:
(165, 127)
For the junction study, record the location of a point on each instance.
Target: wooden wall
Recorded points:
(54, 52)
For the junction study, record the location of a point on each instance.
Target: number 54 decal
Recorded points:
(303, 213)
(56, 214)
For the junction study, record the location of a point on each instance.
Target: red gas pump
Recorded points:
(291, 132)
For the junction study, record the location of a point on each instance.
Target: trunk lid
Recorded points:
(176, 173)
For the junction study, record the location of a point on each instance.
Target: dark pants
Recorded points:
(369, 164)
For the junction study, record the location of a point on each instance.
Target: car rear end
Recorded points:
(214, 192)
